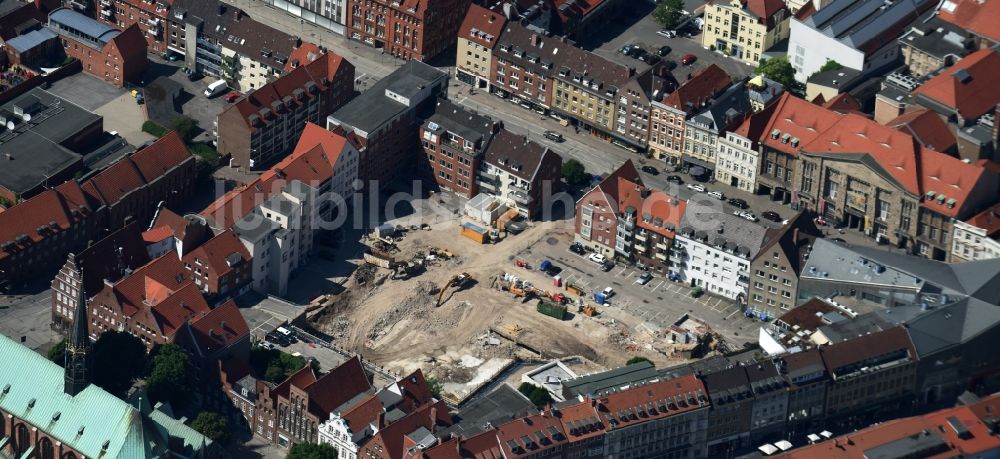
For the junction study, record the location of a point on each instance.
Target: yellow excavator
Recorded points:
(457, 281)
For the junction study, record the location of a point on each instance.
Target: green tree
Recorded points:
(312, 451)
(574, 173)
(435, 387)
(638, 359)
(172, 378)
(58, 353)
(830, 65)
(781, 71)
(150, 127)
(538, 396)
(276, 366)
(185, 127)
(212, 425)
(669, 13)
(5, 203)
(118, 360)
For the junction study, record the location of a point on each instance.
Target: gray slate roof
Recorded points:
(736, 231)
(466, 124)
(611, 380)
(371, 109)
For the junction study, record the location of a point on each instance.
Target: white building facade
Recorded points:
(971, 243)
(737, 162)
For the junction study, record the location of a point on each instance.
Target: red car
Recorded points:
(232, 96)
(688, 59)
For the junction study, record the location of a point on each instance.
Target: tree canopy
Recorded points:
(276, 366)
(574, 173)
(669, 13)
(212, 425)
(830, 65)
(312, 451)
(638, 359)
(57, 353)
(539, 396)
(781, 71)
(118, 360)
(172, 377)
(185, 127)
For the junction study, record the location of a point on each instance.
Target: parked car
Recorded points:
(675, 179)
(644, 278)
(667, 33)
(650, 170)
(688, 59)
(639, 53)
(650, 59)
(194, 75)
(577, 248)
(608, 292)
(738, 203)
(664, 50)
(670, 64)
(770, 215)
(746, 214)
(598, 258)
(696, 187)
(554, 136)
(606, 266)
(626, 50)
(717, 195)
(232, 96)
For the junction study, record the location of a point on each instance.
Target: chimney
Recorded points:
(298, 42)
(535, 39)
(381, 419)
(795, 235)
(239, 14)
(434, 412)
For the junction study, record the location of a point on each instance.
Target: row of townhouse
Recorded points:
(212, 37)
(717, 407)
(553, 76)
(38, 233)
(277, 215)
(470, 154)
(694, 243)
(341, 408)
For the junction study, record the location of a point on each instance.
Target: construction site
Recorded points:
(467, 310)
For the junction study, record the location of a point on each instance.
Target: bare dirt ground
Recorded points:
(396, 324)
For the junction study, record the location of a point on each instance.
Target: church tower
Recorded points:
(77, 365)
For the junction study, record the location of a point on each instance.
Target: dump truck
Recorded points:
(475, 233)
(554, 310)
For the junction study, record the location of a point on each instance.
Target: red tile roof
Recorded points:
(485, 23)
(970, 97)
(844, 353)
(302, 55)
(114, 183)
(393, 439)
(663, 211)
(157, 234)
(216, 252)
(894, 150)
(938, 423)
(988, 220)
(359, 416)
(950, 177)
(658, 400)
(977, 16)
(131, 42)
(164, 154)
(57, 210)
(765, 10)
(531, 435)
(582, 421)
(337, 387)
(702, 86)
(927, 127)
(800, 120)
(219, 328)
(167, 270)
(312, 161)
(844, 103)
(178, 307)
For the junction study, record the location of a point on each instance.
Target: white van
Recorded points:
(216, 88)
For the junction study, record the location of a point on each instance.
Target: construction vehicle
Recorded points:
(573, 289)
(458, 281)
(588, 310)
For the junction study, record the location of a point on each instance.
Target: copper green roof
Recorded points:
(94, 422)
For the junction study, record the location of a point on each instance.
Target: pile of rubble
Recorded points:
(415, 306)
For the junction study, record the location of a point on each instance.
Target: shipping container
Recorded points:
(474, 232)
(550, 309)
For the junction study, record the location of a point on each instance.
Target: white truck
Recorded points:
(216, 88)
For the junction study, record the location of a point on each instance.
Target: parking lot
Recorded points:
(27, 319)
(191, 100)
(660, 302)
(643, 33)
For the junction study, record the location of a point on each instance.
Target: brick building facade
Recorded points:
(105, 52)
(407, 29)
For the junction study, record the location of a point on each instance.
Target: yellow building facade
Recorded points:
(745, 29)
